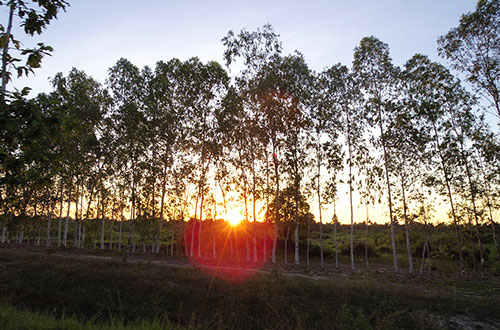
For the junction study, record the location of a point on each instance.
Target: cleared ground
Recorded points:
(102, 290)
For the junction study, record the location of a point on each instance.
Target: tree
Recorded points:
(257, 50)
(473, 48)
(430, 85)
(33, 19)
(376, 75)
(341, 97)
(294, 80)
(126, 84)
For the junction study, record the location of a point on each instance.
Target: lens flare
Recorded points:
(232, 253)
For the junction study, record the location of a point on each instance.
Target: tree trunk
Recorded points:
(49, 220)
(407, 229)
(4, 232)
(286, 244)
(318, 188)
(162, 206)
(349, 148)
(199, 228)
(366, 235)
(297, 256)
(102, 226)
(59, 222)
(335, 240)
(120, 230)
(5, 51)
(111, 234)
(276, 207)
(254, 200)
(82, 243)
(132, 216)
(81, 220)
(473, 200)
(172, 241)
(75, 232)
(66, 221)
(426, 243)
(193, 227)
(450, 197)
(351, 237)
(488, 203)
(389, 196)
(308, 238)
(214, 246)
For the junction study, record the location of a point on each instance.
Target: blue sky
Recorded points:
(93, 34)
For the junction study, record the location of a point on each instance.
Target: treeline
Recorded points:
(181, 141)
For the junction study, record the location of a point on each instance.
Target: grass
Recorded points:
(15, 319)
(100, 292)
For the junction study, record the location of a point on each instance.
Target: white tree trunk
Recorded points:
(158, 244)
(102, 232)
(297, 260)
(173, 237)
(335, 240)
(286, 244)
(133, 236)
(59, 221)
(49, 220)
(120, 235)
(4, 231)
(111, 234)
(66, 221)
(308, 239)
(82, 241)
(79, 242)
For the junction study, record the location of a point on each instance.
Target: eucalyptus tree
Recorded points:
(291, 76)
(53, 142)
(29, 160)
(240, 137)
(377, 79)
(242, 160)
(487, 149)
(430, 93)
(84, 105)
(461, 122)
(203, 87)
(345, 124)
(105, 156)
(127, 87)
(473, 49)
(165, 129)
(409, 145)
(323, 121)
(257, 49)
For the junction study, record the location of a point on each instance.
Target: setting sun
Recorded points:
(234, 217)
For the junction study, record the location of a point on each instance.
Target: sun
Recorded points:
(234, 217)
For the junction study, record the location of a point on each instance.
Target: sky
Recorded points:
(93, 34)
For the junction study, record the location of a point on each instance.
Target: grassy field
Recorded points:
(40, 289)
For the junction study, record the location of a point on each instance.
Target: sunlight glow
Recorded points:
(234, 217)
